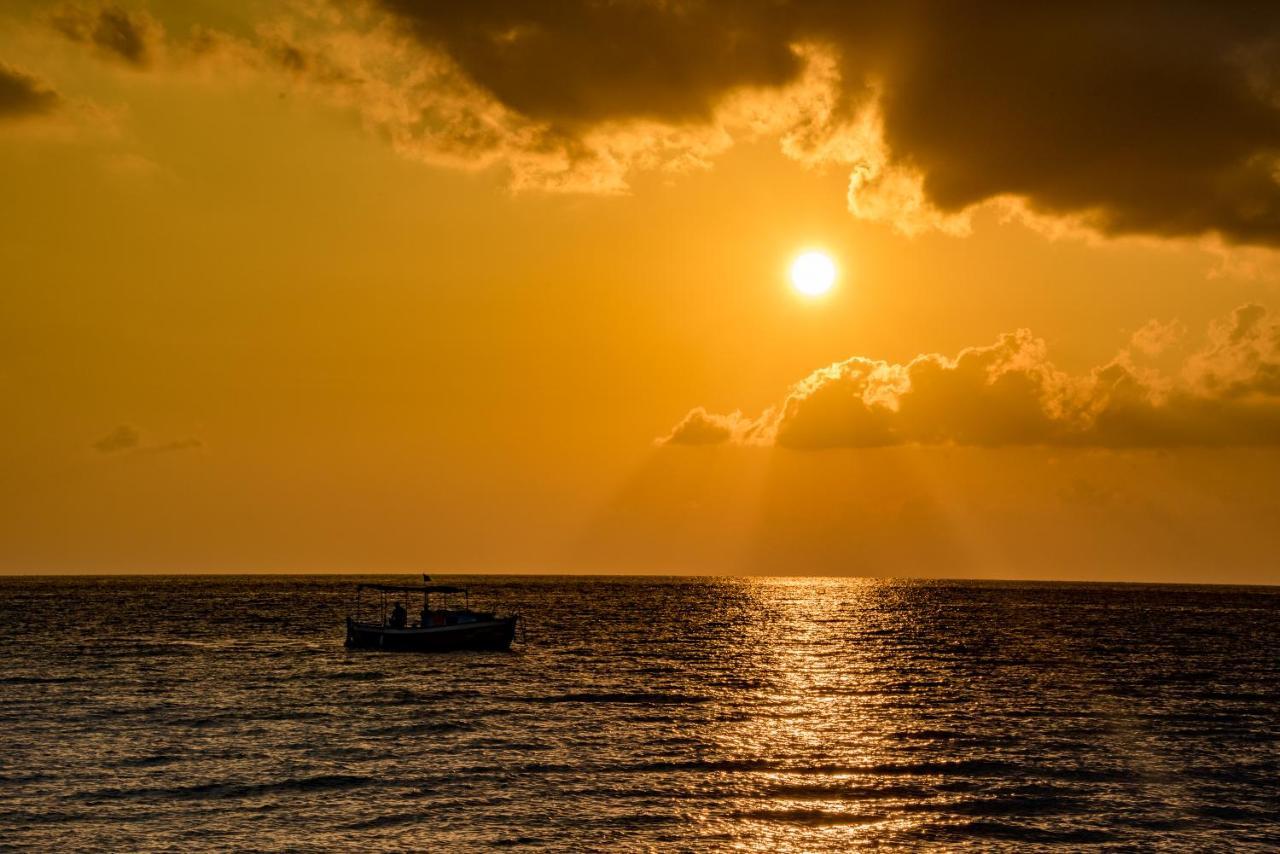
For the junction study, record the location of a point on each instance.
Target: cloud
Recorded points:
(1120, 119)
(579, 64)
(128, 36)
(429, 109)
(1010, 393)
(700, 427)
(1156, 336)
(1241, 360)
(1136, 118)
(22, 95)
(123, 438)
(128, 440)
(1154, 119)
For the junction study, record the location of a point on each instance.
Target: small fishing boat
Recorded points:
(382, 620)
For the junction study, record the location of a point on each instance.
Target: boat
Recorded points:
(440, 625)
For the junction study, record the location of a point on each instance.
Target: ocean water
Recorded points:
(643, 714)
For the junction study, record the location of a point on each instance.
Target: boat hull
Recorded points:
(485, 635)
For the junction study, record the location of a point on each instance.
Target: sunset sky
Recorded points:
(502, 286)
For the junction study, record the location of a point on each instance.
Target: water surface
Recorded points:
(643, 714)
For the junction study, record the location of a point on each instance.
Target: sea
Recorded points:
(642, 714)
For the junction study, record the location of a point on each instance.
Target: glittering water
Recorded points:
(772, 715)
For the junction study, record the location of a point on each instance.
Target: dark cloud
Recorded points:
(1010, 393)
(129, 36)
(1142, 118)
(126, 439)
(582, 62)
(22, 95)
(1127, 118)
(1151, 118)
(123, 438)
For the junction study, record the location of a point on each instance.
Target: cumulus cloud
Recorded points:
(128, 440)
(1010, 393)
(700, 427)
(23, 95)
(1241, 359)
(1156, 336)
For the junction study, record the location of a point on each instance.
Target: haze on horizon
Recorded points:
(503, 287)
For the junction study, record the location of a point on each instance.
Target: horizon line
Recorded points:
(632, 575)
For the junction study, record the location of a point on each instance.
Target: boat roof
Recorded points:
(413, 588)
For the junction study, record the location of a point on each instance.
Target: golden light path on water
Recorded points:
(824, 691)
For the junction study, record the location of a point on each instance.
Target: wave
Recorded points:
(1004, 805)
(1234, 813)
(641, 699)
(959, 767)
(1021, 833)
(424, 728)
(381, 821)
(353, 676)
(811, 818)
(148, 761)
(709, 765)
(320, 782)
(40, 680)
(654, 698)
(850, 792)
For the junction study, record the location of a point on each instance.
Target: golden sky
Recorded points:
(502, 287)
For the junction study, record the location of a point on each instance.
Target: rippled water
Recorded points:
(775, 714)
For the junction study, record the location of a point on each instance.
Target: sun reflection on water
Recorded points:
(821, 720)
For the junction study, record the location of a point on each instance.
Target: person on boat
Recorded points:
(399, 616)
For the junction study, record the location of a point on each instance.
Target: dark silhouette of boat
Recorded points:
(437, 629)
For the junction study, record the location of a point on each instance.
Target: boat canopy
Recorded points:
(415, 588)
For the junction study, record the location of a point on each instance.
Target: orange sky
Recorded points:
(293, 289)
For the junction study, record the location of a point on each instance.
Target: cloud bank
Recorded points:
(1009, 393)
(1156, 119)
(1124, 118)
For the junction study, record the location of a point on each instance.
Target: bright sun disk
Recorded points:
(813, 273)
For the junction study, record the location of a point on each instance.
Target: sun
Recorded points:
(813, 273)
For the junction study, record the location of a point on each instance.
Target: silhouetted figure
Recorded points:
(399, 616)
(426, 617)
